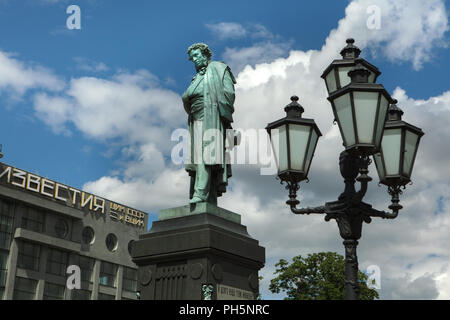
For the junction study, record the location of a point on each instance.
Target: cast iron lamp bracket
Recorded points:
(350, 202)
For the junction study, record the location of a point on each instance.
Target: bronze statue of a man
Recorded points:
(209, 104)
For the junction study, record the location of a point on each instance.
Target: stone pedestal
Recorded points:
(197, 245)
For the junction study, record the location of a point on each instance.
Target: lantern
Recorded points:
(294, 141)
(398, 149)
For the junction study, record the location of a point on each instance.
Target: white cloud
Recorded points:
(130, 106)
(54, 112)
(238, 58)
(409, 30)
(87, 65)
(227, 30)
(17, 77)
(234, 30)
(258, 31)
(168, 187)
(264, 46)
(405, 288)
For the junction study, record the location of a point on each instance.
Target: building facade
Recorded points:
(51, 233)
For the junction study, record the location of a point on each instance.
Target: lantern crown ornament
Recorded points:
(359, 74)
(294, 109)
(294, 141)
(350, 51)
(394, 112)
(336, 74)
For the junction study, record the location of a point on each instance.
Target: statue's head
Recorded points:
(200, 55)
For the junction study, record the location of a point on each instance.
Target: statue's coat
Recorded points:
(218, 98)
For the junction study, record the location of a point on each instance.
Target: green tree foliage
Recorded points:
(319, 276)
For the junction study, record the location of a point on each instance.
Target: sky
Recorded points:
(95, 108)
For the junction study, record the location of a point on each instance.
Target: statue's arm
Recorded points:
(186, 104)
(228, 85)
(187, 107)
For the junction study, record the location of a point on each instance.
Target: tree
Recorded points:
(319, 276)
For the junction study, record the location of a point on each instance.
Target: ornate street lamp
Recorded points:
(360, 107)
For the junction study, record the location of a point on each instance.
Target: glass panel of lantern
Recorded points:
(278, 140)
(298, 140)
(411, 140)
(344, 117)
(330, 80)
(311, 149)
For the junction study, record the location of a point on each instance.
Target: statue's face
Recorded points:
(198, 59)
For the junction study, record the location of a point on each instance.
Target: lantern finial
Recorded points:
(394, 112)
(294, 109)
(350, 51)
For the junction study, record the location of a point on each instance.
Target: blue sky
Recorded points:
(73, 109)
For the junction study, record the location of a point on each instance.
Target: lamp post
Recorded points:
(370, 125)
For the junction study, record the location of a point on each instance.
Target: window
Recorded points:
(3, 272)
(102, 296)
(57, 262)
(129, 279)
(28, 257)
(61, 228)
(111, 242)
(24, 289)
(33, 219)
(88, 235)
(108, 272)
(53, 291)
(81, 294)
(6, 224)
(86, 265)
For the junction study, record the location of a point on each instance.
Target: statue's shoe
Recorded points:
(195, 200)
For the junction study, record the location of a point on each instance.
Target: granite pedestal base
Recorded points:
(195, 246)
